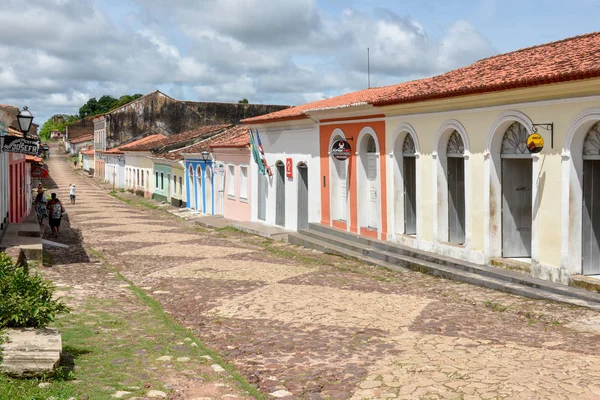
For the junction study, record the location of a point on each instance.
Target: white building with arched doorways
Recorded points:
(443, 165)
(290, 198)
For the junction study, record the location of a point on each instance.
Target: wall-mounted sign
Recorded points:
(13, 144)
(341, 150)
(289, 168)
(535, 143)
(219, 169)
(39, 172)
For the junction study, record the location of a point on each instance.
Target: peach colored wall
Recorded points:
(235, 208)
(352, 130)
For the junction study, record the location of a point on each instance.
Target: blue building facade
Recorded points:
(199, 185)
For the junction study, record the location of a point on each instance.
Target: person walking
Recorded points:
(56, 210)
(72, 193)
(41, 206)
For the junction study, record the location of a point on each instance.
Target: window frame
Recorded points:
(230, 181)
(243, 181)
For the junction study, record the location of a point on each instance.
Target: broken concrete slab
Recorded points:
(29, 352)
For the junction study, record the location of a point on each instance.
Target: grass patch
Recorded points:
(153, 333)
(47, 259)
(495, 306)
(229, 228)
(12, 389)
(135, 202)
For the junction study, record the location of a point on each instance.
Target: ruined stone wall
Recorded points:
(158, 113)
(155, 113)
(231, 113)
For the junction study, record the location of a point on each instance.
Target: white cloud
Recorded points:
(284, 52)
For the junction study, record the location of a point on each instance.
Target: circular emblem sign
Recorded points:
(341, 150)
(535, 143)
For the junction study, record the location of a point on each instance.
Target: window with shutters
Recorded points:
(244, 182)
(231, 181)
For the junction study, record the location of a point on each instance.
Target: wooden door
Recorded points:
(591, 218)
(456, 200)
(280, 196)
(262, 197)
(302, 197)
(372, 221)
(516, 207)
(410, 195)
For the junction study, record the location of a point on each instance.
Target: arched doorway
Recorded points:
(280, 194)
(590, 223)
(517, 209)
(302, 196)
(199, 189)
(339, 183)
(409, 175)
(455, 173)
(368, 190)
(208, 190)
(191, 188)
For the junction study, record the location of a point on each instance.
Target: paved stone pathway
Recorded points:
(300, 324)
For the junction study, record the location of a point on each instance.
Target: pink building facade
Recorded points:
(235, 160)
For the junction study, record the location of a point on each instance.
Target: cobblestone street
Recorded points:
(301, 324)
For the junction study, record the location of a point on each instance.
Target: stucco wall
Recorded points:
(161, 190)
(235, 207)
(301, 144)
(135, 161)
(548, 179)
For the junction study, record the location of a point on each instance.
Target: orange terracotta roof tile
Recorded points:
(143, 141)
(89, 152)
(239, 138)
(179, 138)
(83, 138)
(113, 151)
(35, 159)
(205, 145)
(565, 60)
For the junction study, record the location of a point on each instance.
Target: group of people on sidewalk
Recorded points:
(53, 209)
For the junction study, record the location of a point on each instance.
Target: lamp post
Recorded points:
(24, 119)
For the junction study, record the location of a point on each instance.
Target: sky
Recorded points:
(56, 54)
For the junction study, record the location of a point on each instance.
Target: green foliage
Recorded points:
(105, 104)
(243, 101)
(58, 122)
(26, 298)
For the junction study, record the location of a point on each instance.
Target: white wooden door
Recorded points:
(373, 195)
(343, 190)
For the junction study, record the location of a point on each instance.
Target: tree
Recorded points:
(58, 123)
(89, 108)
(106, 103)
(243, 101)
(126, 99)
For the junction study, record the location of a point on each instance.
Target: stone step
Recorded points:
(304, 241)
(401, 257)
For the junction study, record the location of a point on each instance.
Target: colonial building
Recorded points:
(448, 164)
(232, 173)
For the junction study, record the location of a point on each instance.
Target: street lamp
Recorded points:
(24, 119)
(205, 155)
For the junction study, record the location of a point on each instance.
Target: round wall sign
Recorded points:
(535, 143)
(341, 150)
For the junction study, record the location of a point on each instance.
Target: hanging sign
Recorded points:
(288, 168)
(341, 150)
(39, 172)
(535, 143)
(13, 144)
(219, 169)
